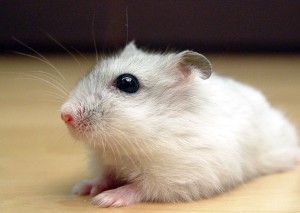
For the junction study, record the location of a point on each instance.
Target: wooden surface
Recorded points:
(39, 161)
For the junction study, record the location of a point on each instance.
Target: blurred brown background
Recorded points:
(203, 25)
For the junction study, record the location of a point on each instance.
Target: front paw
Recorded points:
(89, 187)
(122, 196)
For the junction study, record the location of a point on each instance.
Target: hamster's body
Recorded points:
(179, 137)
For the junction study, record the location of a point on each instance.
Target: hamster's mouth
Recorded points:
(80, 131)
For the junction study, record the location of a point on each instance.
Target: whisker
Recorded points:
(113, 147)
(64, 48)
(80, 53)
(52, 77)
(103, 142)
(115, 144)
(59, 97)
(98, 141)
(104, 145)
(123, 148)
(127, 25)
(43, 59)
(45, 81)
(94, 39)
(142, 149)
(128, 142)
(20, 76)
(110, 147)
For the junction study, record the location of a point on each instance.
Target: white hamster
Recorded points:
(163, 128)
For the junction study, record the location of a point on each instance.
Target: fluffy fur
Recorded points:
(180, 137)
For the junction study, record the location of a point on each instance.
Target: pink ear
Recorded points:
(184, 69)
(190, 60)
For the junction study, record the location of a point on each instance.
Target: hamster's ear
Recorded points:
(193, 60)
(130, 49)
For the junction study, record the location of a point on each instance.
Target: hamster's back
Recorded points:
(268, 142)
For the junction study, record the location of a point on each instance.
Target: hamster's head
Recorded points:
(134, 96)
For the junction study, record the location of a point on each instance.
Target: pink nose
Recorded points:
(67, 118)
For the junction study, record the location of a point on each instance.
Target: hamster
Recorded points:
(164, 128)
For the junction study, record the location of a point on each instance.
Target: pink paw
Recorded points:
(122, 196)
(88, 187)
(95, 186)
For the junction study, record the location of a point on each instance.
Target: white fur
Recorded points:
(179, 138)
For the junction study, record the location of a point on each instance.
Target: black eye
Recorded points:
(128, 83)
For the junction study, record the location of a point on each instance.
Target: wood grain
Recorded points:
(39, 161)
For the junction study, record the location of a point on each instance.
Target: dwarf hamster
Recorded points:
(164, 128)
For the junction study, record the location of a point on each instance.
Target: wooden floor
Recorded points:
(39, 161)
